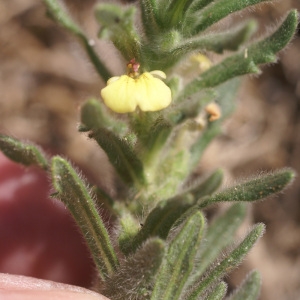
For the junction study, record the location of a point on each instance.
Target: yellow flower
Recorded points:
(203, 61)
(147, 91)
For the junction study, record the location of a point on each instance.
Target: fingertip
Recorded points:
(17, 287)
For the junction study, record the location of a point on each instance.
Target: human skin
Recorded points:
(38, 238)
(16, 287)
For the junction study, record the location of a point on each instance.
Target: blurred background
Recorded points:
(45, 76)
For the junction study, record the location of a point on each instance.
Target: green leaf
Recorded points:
(179, 259)
(136, 277)
(72, 191)
(158, 133)
(197, 149)
(172, 161)
(199, 4)
(208, 186)
(94, 116)
(121, 156)
(189, 109)
(249, 289)
(224, 96)
(150, 20)
(103, 200)
(228, 263)
(219, 235)
(142, 122)
(157, 137)
(254, 189)
(216, 42)
(129, 227)
(246, 61)
(23, 153)
(160, 220)
(61, 17)
(158, 53)
(218, 293)
(117, 23)
(176, 11)
(220, 9)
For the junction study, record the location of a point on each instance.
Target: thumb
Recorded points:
(17, 287)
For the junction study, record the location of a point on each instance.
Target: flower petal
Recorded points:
(118, 95)
(123, 94)
(152, 94)
(112, 79)
(158, 74)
